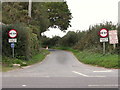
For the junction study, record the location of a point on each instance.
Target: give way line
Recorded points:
(85, 74)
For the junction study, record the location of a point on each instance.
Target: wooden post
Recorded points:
(114, 46)
(103, 47)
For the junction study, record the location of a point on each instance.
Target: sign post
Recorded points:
(13, 52)
(104, 34)
(113, 38)
(12, 46)
(103, 47)
(12, 34)
(114, 46)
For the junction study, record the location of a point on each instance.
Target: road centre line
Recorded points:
(86, 75)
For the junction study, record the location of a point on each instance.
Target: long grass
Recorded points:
(96, 59)
(35, 59)
(38, 58)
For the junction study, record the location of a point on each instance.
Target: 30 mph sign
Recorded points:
(12, 33)
(103, 32)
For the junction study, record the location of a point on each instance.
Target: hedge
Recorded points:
(27, 42)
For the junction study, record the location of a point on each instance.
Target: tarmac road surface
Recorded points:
(61, 69)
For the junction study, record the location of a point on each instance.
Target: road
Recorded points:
(61, 69)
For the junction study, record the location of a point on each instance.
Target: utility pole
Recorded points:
(29, 8)
(119, 13)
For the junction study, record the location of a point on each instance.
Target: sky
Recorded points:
(88, 12)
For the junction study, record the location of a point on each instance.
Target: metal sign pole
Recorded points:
(13, 52)
(13, 49)
(103, 47)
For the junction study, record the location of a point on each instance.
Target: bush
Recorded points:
(6, 61)
(27, 42)
(69, 39)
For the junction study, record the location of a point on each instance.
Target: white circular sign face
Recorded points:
(103, 32)
(12, 33)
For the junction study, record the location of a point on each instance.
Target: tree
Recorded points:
(59, 15)
(69, 39)
(50, 42)
(91, 39)
(44, 15)
(14, 12)
(55, 41)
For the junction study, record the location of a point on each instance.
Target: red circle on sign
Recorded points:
(104, 30)
(12, 36)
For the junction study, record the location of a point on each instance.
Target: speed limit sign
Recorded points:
(103, 32)
(12, 33)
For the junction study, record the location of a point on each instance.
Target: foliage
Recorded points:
(51, 42)
(108, 60)
(88, 48)
(55, 41)
(44, 15)
(69, 39)
(59, 15)
(6, 68)
(96, 59)
(8, 62)
(38, 57)
(40, 17)
(14, 12)
(91, 39)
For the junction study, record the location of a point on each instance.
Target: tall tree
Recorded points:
(59, 15)
(14, 12)
(44, 15)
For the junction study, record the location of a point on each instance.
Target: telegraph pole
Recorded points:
(119, 13)
(29, 8)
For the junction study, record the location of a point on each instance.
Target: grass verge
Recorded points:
(7, 62)
(38, 58)
(96, 59)
(0, 67)
(7, 68)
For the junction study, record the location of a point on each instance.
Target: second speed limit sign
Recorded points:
(12, 33)
(103, 32)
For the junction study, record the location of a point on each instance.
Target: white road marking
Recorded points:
(104, 71)
(97, 76)
(102, 85)
(80, 74)
(24, 85)
(86, 75)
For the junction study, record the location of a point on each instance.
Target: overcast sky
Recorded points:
(89, 12)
